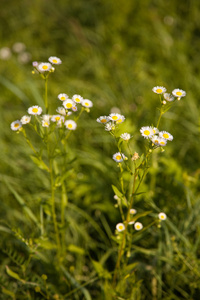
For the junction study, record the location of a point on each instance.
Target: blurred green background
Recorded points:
(114, 53)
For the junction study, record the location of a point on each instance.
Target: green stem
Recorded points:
(53, 208)
(161, 113)
(45, 95)
(64, 201)
(123, 243)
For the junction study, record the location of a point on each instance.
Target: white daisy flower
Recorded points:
(46, 118)
(166, 135)
(77, 98)
(55, 60)
(121, 119)
(44, 67)
(68, 104)
(35, 110)
(168, 97)
(138, 226)
(133, 211)
(70, 124)
(114, 117)
(120, 227)
(162, 142)
(125, 136)
(16, 125)
(119, 157)
(147, 132)
(109, 126)
(87, 103)
(159, 89)
(155, 130)
(45, 123)
(179, 93)
(63, 97)
(162, 216)
(69, 113)
(61, 111)
(155, 140)
(25, 119)
(74, 108)
(103, 119)
(56, 118)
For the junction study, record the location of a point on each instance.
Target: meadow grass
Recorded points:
(114, 54)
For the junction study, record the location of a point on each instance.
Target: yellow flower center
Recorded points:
(178, 93)
(77, 100)
(69, 105)
(147, 132)
(62, 98)
(45, 67)
(35, 110)
(86, 103)
(166, 136)
(114, 118)
(118, 157)
(156, 142)
(57, 118)
(55, 61)
(119, 121)
(162, 217)
(138, 226)
(103, 120)
(162, 143)
(69, 126)
(121, 227)
(16, 125)
(159, 90)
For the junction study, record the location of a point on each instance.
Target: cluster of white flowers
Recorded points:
(44, 67)
(18, 49)
(111, 121)
(178, 93)
(158, 138)
(60, 118)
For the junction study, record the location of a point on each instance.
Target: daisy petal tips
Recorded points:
(16, 125)
(159, 89)
(55, 60)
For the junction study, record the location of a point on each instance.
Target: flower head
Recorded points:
(147, 132)
(16, 125)
(62, 97)
(45, 123)
(114, 117)
(25, 119)
(56, 118)
(138, 226)
(125, 136)
(162, 142)
(135, 156)
(133, 211)
(179, 93)
(103, 119)
(155, 140)
(166, 135)
(70, 124)
(77, 98)
(119, 157)
(109, 126)
(35, 110)
(87, 103)
(168, 97)
(120, 227)
(61, 111)
(68, 104)
(159, 89)
(120, 120)
(44, 67)
(55, 60)
(162, 216)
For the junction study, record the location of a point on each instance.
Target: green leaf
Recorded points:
(119, 195)
(7, 292)
(39, 163)
(76, 249)
(14, 275)
(100, 270)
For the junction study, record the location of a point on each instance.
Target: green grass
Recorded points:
(114, 54)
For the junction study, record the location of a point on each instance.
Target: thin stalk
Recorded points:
(120, 253)
(53, 209)
(45, 94)
(64, 201)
